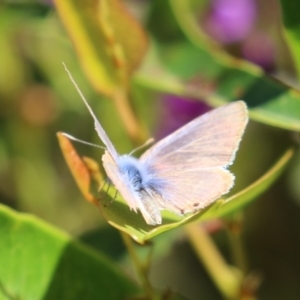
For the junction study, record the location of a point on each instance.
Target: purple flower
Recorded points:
(230, 20)
(259, 49)
(176, 112)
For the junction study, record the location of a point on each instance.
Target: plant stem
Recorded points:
(128, 117)
(234, 233)
(141, 269)
(227, 279)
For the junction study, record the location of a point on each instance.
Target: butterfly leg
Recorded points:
(103, 192)
(108, 182)
(112, 200)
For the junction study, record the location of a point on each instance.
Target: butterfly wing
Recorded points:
(191, 162)
(99, 129)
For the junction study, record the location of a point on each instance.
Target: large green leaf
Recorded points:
(119, 215)
(38, 261)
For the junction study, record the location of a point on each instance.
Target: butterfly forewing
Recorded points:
(211, 140)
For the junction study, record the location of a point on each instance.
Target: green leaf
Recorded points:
(291, 28)
(99, 31)
(118, 214)
(38, 261)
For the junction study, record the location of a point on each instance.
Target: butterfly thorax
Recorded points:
(134, 171)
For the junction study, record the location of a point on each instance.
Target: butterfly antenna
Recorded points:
(147, 143)
(100, 131)
(78, 90)
(81, 141)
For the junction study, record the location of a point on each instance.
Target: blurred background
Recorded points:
(37, 100)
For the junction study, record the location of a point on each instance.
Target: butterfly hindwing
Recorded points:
(191, 190)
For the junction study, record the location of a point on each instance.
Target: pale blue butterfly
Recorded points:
(184, 172)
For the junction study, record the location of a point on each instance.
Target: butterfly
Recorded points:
(182, 173)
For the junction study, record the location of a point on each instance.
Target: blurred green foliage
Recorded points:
(37, 100)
